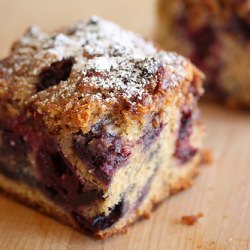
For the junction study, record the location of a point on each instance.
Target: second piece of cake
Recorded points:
(97, 126)
(216, 36)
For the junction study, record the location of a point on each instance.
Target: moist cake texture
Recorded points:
(97, 125)
(215, 35)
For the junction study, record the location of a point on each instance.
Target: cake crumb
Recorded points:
(191, 219)
(207, 157)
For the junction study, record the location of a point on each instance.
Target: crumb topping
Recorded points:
(109, 67)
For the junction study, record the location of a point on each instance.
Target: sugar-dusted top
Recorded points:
(91, 67)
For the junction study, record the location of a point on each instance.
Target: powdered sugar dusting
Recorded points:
(126, 78)
(107, 59)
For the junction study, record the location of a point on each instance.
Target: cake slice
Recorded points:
(97, 125)
(215, 35)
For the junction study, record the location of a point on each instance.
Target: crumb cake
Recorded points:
(215, 35)
(97, 125)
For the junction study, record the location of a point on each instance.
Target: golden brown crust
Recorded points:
(113, 72)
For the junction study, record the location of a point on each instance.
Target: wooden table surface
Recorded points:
(221, 192)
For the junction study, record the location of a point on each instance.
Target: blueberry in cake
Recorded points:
(97, 126)
(215, 35)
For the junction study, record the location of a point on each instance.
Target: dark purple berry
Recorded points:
(56, 72)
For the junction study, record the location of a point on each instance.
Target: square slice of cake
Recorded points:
(97, 125)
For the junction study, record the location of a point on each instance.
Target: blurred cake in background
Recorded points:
(215, 34)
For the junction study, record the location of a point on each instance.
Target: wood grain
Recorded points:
(221, 192)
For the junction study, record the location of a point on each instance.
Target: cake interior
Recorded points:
(123, 170)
